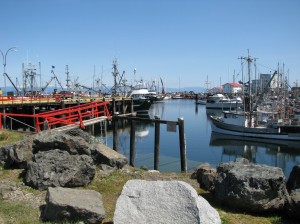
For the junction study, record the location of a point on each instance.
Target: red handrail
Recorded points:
(71, 115)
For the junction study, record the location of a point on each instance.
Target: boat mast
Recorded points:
(68, 77)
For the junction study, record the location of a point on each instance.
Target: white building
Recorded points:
(232, 87)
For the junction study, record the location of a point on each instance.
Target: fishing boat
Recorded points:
(220, 101)
(245, 123)
(141, 101)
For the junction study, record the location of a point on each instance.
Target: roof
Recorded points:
(234, 84)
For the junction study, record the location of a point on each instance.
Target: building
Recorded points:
(264, 80)
(216, 90)
(232, 87)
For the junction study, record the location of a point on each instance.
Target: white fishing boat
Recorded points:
(220, 101)
(246, 123)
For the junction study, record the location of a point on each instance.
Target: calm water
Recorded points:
(201, 145)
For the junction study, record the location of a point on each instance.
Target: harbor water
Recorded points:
(202, 146)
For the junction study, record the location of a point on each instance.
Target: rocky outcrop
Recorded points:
(293, 186)
(104, 155)
(293, 182)
(205, 176)
(77, 132)
(147, 202)
(68, 160)
(48, 140)
(17, 154)
(250, 187)
(72, 205)
(59, 168)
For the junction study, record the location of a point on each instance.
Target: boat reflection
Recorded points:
(277, 153)
(213, 112)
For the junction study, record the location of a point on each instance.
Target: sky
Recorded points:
(186, 43)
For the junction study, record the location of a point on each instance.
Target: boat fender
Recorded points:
(279, 130)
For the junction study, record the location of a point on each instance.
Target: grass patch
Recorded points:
(7, 136)
(17, 212)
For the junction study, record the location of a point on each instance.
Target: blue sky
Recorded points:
(181, 41)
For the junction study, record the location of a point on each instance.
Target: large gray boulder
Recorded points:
(73, 205)
(165, 202)
(59, 168)
(77, 132)
(48, 140)
(17, 154)
(293, 186)
(293, 182)
(251, 187)
(104, 155)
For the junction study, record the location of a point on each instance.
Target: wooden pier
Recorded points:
(22, 112)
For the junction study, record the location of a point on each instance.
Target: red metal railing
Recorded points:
(72, 115)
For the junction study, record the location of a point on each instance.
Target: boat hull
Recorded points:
(224, 106)
(141, 106)
(282, 132)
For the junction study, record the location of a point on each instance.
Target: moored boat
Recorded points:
(141, 101)
(220, 101)
(242, 124)
(258, 123)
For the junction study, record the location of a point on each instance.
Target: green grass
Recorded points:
(17, 212)
(7, 136)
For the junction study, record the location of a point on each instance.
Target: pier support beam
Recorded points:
(156, 142)
(182, 144)
(132, 144)
(115, 133)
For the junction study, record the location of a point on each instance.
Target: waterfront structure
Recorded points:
(232, 88)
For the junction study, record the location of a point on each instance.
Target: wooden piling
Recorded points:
(114, 105)
(156, 142)
(131, 105)
(182, 145)
(132, 144)
(115, 133)
(123, 106)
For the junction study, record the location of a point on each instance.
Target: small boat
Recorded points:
(177, 96)
(220, 101)
(155, 98)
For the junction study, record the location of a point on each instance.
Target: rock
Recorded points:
(101, 154)
(17, 154)
(48, 140)
(73, 205)
(205, 176)
(147, 202)
(293, 182)
(58, 168)
(77, 132)
(293, 186)
(250, 187)
(293, 206)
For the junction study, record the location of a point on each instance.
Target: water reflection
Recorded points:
(283, 154)
(201, 145)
